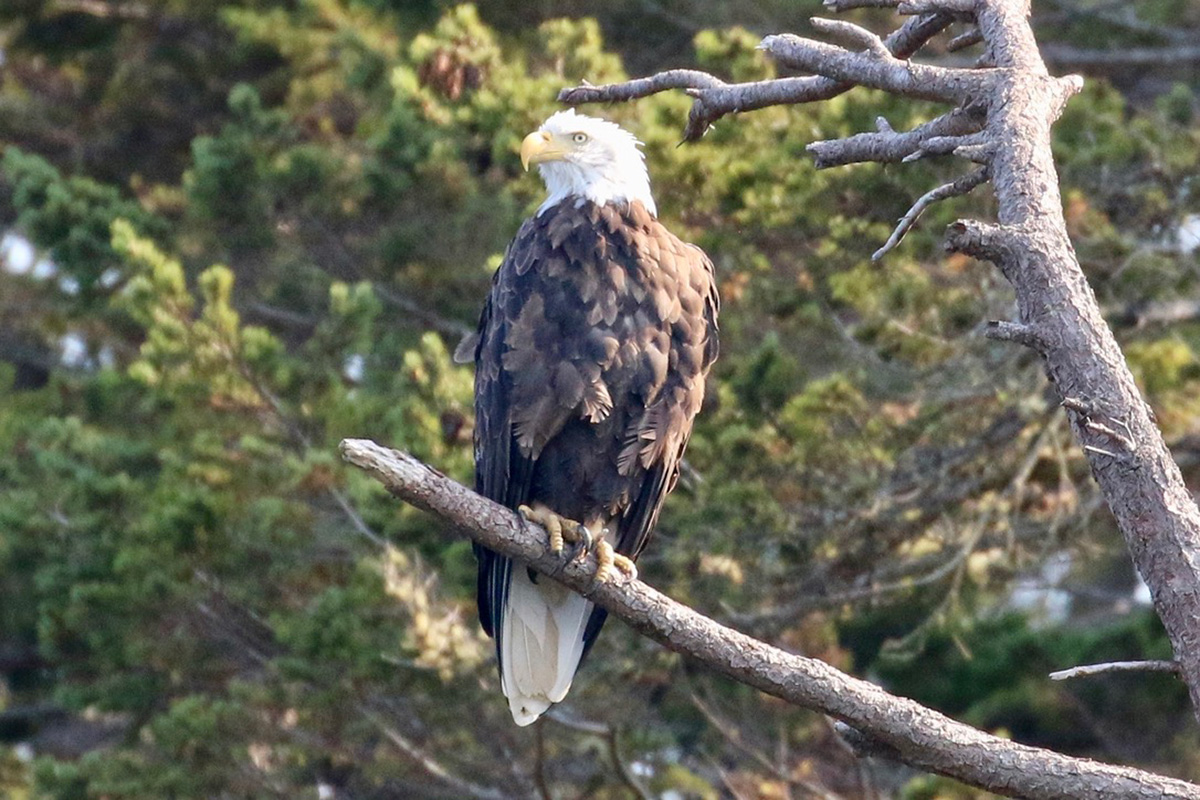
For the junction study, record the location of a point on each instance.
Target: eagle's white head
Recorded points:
(588, 158)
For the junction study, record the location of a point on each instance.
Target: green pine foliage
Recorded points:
(269, 228)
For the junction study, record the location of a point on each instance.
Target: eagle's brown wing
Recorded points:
(502, 472)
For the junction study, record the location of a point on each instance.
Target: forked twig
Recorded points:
(954, 189)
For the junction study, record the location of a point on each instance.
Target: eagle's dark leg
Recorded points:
(563, 530)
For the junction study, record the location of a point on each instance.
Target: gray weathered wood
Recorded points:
(906, 730)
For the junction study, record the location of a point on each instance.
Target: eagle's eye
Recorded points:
(579, 138)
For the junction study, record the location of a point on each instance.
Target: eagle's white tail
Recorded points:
(541, 643)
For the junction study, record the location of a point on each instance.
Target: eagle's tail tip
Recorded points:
(526, 710)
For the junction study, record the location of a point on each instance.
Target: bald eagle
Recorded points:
(590, 362)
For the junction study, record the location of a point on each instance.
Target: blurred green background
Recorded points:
(236, 231)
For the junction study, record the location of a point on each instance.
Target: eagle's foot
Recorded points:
(610, 563)
(559, 528)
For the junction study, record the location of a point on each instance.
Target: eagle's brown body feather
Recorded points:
(590, 367)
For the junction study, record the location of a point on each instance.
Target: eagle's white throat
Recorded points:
(600, 162)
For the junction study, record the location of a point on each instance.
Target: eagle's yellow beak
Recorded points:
(539, 146)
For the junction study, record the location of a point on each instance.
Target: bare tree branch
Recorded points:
(613, 739)
(715, 99)
(849, 5)
(1115, 666)
(954, 189)
(973, 146)
(964, 40)
(886, 146)
(919, 736)
(854, 34)
(1005, 331)
(931, 6)
(873, 69)
(641, 87)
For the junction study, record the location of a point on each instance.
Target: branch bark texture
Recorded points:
(715, 99)
(903, 728)
(1002, 119)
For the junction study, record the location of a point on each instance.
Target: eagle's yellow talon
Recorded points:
(554, 527)
(560, 529)
(609, 562)
(625, 565)
(610, 565)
